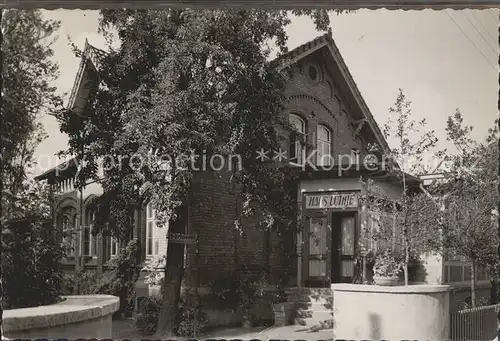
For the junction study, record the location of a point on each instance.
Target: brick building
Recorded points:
(326, 106)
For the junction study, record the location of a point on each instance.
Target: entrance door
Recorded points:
(316, 251)
(343, 246)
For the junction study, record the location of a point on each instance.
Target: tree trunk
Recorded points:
(473, 284)
(174, 272)
(171, 290)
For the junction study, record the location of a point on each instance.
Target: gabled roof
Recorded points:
(326, 41)
(93, 56)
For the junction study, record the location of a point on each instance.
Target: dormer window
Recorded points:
(297, 140)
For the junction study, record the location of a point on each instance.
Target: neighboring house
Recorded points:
(326, 107)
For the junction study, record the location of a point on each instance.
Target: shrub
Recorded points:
(241, 290)
(120, 281)
(252, 280)
(192, 320)
(31, 263)
(147, 318)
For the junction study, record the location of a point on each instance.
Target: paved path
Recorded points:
(125, 329)
(284, 333)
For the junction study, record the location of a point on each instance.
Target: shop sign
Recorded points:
(333, 200)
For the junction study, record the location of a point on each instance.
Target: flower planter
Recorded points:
(386, 281)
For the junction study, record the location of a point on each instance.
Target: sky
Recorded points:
(443, 60)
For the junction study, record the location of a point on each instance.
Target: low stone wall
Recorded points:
(371, 312)
(86, 316)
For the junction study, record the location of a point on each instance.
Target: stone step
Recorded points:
(310, 298)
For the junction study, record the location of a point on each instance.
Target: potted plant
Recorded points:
(386, 269)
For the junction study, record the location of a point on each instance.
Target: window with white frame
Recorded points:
(114, 247)
(68, 227)
(152, 242)
(89, 242)
(297, 145)
(324, 146)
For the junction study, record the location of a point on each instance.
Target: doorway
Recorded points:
(344, 239)
(330, 245)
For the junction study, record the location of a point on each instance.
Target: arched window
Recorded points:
(297, 140)
(324, 146)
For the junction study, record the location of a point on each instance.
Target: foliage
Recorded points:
(192, 320)
(406, 223)
(252, 280)
(28, 69)
(183, 81)
(147, 317)
(386, 265)
(481, 302)
(154, 267)
(118, 281)
(85, 281)
(240, 291)
(467, 204)
(124, 274)
(31, 277)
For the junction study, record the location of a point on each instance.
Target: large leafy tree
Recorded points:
(183, 82)
(470, 209)
(26, 93)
